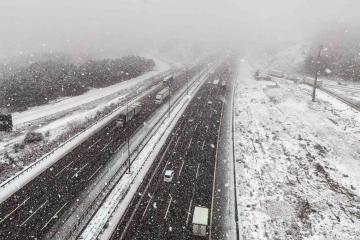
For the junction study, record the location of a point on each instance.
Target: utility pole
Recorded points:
(169, 97)
(187, 80)
(168, 80)
(128, 139)
(316, 73)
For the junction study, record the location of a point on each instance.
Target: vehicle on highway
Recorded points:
(129, 113)
(191, 120)
(168, 78)
(200, 221)
(216, 82)
(223, 83)
(209, 102)
(168, 176)
(261, 76)
(310, 81)
(276, 73)
(6, 123)
(294, 78)
(161, 95)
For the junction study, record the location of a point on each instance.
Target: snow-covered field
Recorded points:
(297, 162)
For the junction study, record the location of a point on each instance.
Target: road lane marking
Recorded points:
(113, 128)
(76, 174)
(95, 172)
(177, 141)
(190, 143)
(167, 210)
(215, 167)
(166, 164)
(196, 126)
(94, 143)
(54, 216)
(106, 145)
(189, 213)
(121, 145)
(202, 148)
(63, 169)
(197, 171)
(14, 210)
(182, 165)
(147, 205)
(33, 213)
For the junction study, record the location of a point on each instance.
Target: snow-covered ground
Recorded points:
(349, 90)
(70, 103)
(297, 162)
(290, 59)
(58, 118)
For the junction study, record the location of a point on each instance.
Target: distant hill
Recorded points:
(39, 82)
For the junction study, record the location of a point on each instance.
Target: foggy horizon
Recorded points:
(114, 28)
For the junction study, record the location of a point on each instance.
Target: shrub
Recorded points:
(32, 137)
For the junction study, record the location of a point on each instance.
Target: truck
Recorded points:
(161, 95)
(216, 82)
(200, 221)
(310, 81)
(276, 73)
(168, 79)
(128, 114)
(6, 123)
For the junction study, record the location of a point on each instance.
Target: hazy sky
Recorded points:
(116, 25)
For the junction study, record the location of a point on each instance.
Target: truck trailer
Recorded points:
(128, 114)
(200, 221)
(161, 95)
(276, 73)
(310, 81)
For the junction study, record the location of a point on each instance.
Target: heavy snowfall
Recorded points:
(154, 119)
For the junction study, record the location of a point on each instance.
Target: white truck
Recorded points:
(200, 221)
(310, 81)
(276, 73)
(216, 82)
(128, 114)
(161, 95)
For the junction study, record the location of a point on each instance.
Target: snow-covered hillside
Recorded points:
(297, 162)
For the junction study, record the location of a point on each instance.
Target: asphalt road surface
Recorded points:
(163, 210)
(32, 210)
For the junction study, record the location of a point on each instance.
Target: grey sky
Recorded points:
(117, 25)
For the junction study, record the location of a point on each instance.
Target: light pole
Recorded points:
(168, 79)
(316, 73)
(187, 80)
(128, 139)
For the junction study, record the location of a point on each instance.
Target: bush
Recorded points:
(32, 137)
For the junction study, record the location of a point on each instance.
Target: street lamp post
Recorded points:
(187, 80)
(316, 73)
(168, 79)
(128, 140)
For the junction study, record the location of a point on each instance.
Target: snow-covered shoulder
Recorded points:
(297, 162)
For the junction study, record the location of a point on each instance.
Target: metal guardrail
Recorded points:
(99, 200)
(342, 99)
(44, 157)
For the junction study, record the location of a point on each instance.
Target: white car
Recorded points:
(168, 176)
(209, 102)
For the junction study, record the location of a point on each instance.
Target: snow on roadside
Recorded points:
(65, 104)
(298, 174)
(59, 119)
